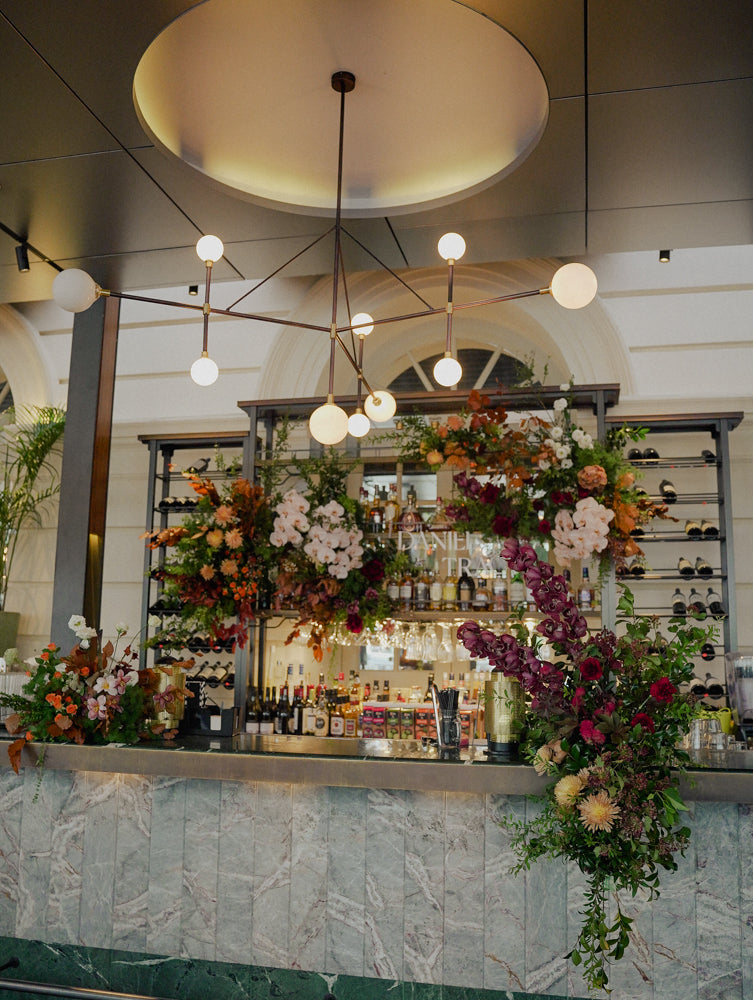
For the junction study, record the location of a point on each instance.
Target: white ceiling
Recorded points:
(648, 144)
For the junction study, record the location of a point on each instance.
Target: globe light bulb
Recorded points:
(210, 248)
(362, 331)
(448, 371)
(380, 406)
(358, 424)
(328, 424)
(573, 286)
(204, 371)
(451, 246)
(74, 290)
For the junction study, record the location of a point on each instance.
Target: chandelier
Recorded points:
(572, 286)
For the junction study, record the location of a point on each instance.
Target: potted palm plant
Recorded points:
(28, 480)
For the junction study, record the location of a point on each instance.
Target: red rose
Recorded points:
(373, 570)
(644, 721)
(354, 623)
(590, 669)
(663, 690)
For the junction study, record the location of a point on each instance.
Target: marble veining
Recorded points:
(263, 887)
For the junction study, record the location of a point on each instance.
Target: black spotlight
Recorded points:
(664, 256)
(193, 289)
(22, 258)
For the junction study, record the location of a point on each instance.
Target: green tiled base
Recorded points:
(190, 979)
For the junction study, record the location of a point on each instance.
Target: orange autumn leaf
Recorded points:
(14, 752)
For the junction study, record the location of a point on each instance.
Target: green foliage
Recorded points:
(28, 478)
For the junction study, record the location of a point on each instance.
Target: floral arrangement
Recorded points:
(93, 695)
(605, 721)
(220, 558)
(325, 568)
(541, 478)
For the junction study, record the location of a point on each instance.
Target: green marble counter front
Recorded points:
(387, 764)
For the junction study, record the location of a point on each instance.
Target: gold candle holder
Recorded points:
(504, 712)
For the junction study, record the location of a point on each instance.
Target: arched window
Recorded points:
(482, 369)
(6, 396)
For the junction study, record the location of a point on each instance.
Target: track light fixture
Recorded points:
(22, 258)
(664, 256)
(572, 286)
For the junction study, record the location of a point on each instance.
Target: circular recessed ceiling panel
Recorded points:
(446, 101)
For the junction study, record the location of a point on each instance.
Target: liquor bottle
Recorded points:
(385, 692)
(321, 688)
(309, 713)
(482, 597)
(439, 521)
(392, 511)
(336, 717)
(366, 691)
(375, 520)
(435, 592)
(465, 590)
(411, 519)
(295, 724)
(585, 594)
(253, 712)
(714, 604)
(393, 589)
(406, 591)
(266, 719)
(499, 592)
(375, 695)
(363, 496)
(321, 716)
(282, 715)
(421, 590)
(517, 591)
(679, 604)
(449, 591)
(429, 686)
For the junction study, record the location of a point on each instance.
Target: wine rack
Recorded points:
(694, 457)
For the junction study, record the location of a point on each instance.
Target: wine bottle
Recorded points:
(217, 675)
(696, 605)
(253, 712)
(679, 604)
(282, 715)
(668, 491)
(375, 520)
(714, 604)
(266, 719)
(435, 592)
(685, 567)
(702, 567)
(295, 723)
(421, 591)
(229, 680)
(465, 590)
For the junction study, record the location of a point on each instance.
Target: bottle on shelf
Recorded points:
(714, 604)
(668, 491)
(435, 591)
(465, 590)
(216, 675)
(336, 717)
(439, 521)
(266, 718)
(449, 590)
(392, 511)
(295, 723)
(585, 594)
(375, 519)
(321, 715)
(309, 713)
(696, 605)
(703, 567)
(685, 567)
(499, 592)
(421, 590)
(679, 603)
(518, 591)
(282, 715)
(385, 696)
(229, 680)
(429, 686)
(482, 597)
(253, 712)
(411, 519)
(406, 590)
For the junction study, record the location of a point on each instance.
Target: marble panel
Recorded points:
(346, 880)
(131, 890)
(235, 877)
(272, 854)
(463, 953)
(166, 866)
(546, 922)
(632, 977)
(44, 798)
(11, 796)
(576, 885)
(505, 897)
(98, 863)
(61, 964)
(384, 913)
(746, 896)
(717, 833)
(308, 877)
(675, 939)
(201, 846)
(424, 886)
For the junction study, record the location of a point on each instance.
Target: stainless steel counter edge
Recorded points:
(477, 777)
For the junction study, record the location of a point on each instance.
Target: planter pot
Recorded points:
(9, 621)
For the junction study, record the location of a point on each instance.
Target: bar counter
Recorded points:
(359, 763)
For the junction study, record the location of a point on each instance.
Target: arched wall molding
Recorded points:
(22, 359)
(582, 343)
